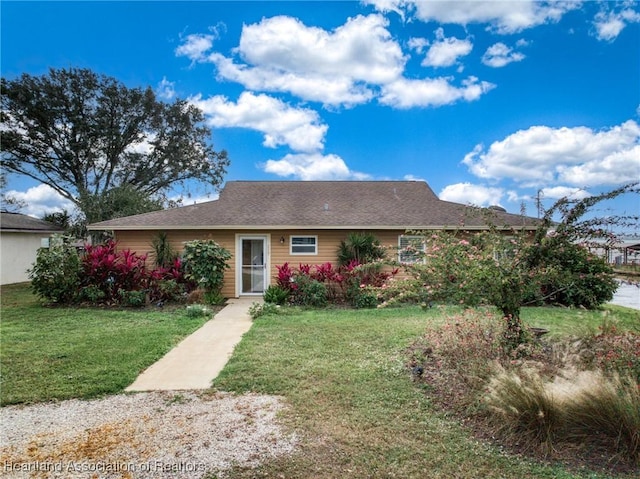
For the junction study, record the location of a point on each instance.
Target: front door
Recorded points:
(253, 264)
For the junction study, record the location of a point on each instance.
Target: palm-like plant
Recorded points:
(360, 247)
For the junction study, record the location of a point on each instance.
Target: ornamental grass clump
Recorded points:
(586, 410)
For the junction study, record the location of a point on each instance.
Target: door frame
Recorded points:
(266, 238)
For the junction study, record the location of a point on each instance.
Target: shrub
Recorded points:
(134, 299)
(403, 291)
(256, 310)
(276, 294)
(205, 262)
(113, 271)
(55, 275)
(197, 311)
(364, 297)
(214, 297)
(612, 351)
(457, 358)
(573, 276)
(92, 294)
(309, 292)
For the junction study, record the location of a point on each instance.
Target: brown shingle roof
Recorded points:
(316, 204)
(20, 222)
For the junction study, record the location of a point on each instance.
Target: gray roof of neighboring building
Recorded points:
(319, 205)
(17, 222)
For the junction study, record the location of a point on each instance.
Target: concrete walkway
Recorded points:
(628, 295)
(200, 357)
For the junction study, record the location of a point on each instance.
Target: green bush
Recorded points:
(134, 299)
(276, 295)
(197, 311)
(167, 290)
(204, 263)
(363, 298)
(55, 275)
(572, 275)
(257, 310)
(309, 292)
(92, 294)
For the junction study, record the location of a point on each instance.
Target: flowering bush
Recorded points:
(612, 351)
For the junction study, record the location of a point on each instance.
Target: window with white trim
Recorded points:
(410, 249)
(303, 245)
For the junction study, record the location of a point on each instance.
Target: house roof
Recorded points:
(318, 205)
(16, 222)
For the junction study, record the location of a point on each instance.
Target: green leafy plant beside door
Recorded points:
(205, 262)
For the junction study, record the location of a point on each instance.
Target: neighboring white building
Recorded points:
(20, 238)
(625, 251)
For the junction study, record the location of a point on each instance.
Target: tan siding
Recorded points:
(328, 242)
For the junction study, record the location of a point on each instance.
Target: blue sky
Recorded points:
(489, 102)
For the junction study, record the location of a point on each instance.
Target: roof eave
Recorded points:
(300, 227)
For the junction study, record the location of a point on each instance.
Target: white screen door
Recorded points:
(254, 265)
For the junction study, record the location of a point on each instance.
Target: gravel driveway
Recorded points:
(144, 435)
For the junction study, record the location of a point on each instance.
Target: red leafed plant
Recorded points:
(111, 271)
(285, 277)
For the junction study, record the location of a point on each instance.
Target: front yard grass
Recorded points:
(55, 353)
(343, 373)
(352, 398)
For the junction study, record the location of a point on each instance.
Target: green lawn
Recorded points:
(341, 371)
(360, 414)
(53, 353)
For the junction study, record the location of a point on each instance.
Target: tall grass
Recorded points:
(588, 410)
(577, 392)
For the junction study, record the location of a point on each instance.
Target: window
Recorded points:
(410, 249)
(304, 245)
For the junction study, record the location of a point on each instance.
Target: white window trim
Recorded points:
(292, 253)
(401, 247)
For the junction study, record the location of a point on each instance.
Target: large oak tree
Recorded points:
(89, 137)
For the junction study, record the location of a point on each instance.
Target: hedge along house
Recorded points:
(269, 223)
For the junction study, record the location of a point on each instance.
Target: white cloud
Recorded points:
(431, 92)
(418, 44)
(41, 200)
(282, 54)
(467, 193)
(576, 156)
(499, 55)
(384, 6)
(557, 192)
(166, 89)
(282, 124)
(312, 167)
(195, 47)
(445, 51)
(329, 90)
(413, 178)
(502, 17)
(610, 24)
